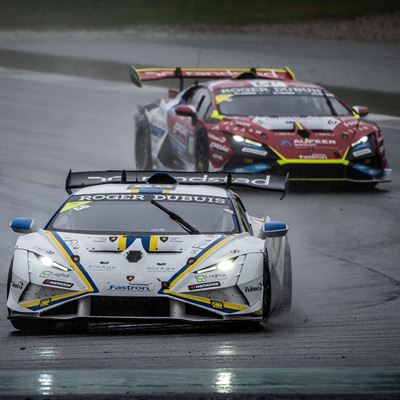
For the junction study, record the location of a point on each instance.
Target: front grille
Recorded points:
(129, 306)
(68, 308)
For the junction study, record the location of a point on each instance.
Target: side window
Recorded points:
(196, 99)
(204, 110)
(243, 214)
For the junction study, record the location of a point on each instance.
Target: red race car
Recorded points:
(255, 121)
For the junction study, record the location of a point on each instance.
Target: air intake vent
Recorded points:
(134, 256)
(129, 306)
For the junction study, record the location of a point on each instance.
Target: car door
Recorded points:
(182, 129)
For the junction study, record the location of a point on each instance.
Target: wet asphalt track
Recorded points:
(345, 244)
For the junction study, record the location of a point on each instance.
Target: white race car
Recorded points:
(131, 246)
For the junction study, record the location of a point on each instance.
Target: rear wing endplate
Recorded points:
(78, 180)
(139, 75)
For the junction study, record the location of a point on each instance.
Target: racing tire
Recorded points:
(143, 158)
(266, 296)
(286, 303)
(9, 277)
(201, 156)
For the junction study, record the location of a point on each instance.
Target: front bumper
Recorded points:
(318, 171)
(355, 173)
(131, 308)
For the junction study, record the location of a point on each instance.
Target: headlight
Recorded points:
(224, 265)
(363, 139)
(241, 139)
(48, 262)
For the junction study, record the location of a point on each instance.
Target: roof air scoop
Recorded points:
(162, 178)
(250, 74)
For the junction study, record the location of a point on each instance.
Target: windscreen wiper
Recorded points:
(185, 225)
(328, 101)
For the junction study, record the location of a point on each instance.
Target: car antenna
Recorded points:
(228, 180)
(198, 58)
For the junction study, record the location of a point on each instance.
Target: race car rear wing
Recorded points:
(139, 75)
(78, 180)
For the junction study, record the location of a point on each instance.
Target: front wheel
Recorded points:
(286, 302)
(266, 296)
(201, 152)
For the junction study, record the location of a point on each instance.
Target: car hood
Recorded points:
(301, 137)
(103, 263)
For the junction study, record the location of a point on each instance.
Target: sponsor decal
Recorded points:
(132, 287)
(199, 178)
(112, 238)
(73, 244)
(201, 278)
(46, 251)
(47, 274)
(175, 239)
(313, 157)
(234, 251)
(251, 289)
(101, 267)
(163, 238)
(313, 142)
(219, 305)
(273, 90)
(160, 268)
(215, 275)
(17, 285)
(204, 285)
(100, 239)
(45, 302)
(53, 282)
(266, 83)
(286, 143)
(104, 262)
(219, 139)
(203, 244)
(130, 278)
(220, 147)
(362, 152)
(157, 197)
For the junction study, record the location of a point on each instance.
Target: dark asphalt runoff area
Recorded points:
(345, 249)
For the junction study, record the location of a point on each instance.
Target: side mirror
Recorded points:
(361, 110)
(23, 225)
(186, 111)
(274, 229)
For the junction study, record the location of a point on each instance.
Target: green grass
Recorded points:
(116, 14)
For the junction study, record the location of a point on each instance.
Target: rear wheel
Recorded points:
(143, 144)
(201, 152)
(266, 297)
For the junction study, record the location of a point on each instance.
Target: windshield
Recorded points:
(272, 102)
(118, 213)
